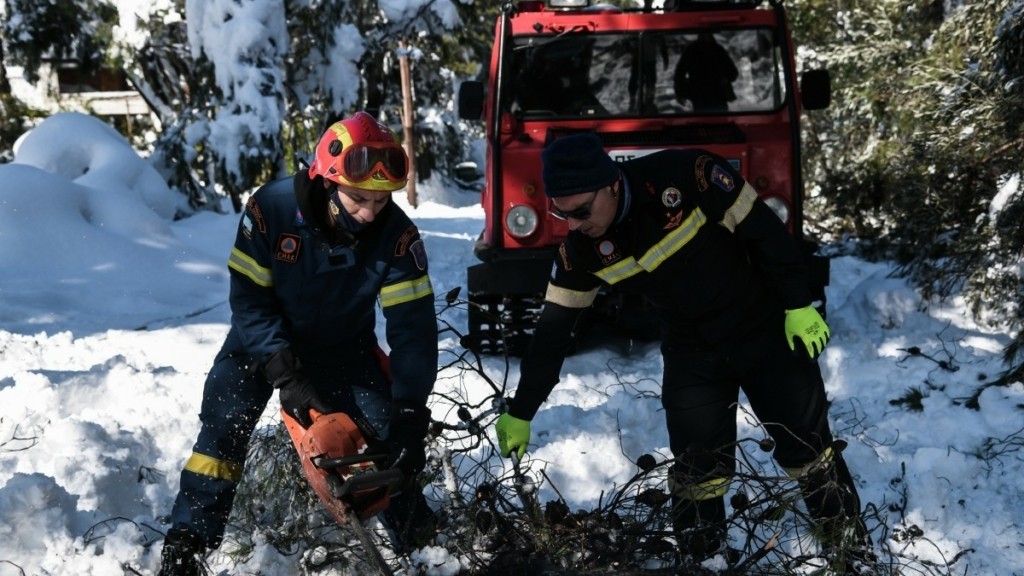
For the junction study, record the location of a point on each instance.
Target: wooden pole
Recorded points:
(407, 120)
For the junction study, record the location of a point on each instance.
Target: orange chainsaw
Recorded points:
(340, 466)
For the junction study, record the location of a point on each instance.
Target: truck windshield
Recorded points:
(647, 74)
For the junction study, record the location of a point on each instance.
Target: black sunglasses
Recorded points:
(581, 212)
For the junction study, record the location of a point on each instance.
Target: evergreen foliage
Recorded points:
(919, 158)
(36, 31)
(924, 133)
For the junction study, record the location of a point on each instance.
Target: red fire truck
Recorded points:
(709, 74)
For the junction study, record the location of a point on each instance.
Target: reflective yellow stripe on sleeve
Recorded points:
(244, 264)
(740, 208)
(405, 291)
(570, 298)
(214, 467)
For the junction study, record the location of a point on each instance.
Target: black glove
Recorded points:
(409, 424)
(284, 371)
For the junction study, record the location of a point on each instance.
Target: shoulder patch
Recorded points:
(247, 226)
(722, 179)
(403, 242)
(419, 253)
(698, 169)
(563, 253)
(288, 246)
(253, 209)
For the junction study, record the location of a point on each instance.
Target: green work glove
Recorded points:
(513, 434)
(806, 325)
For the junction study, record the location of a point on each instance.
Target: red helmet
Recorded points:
(360, 152)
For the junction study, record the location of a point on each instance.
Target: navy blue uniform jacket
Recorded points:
(696, 240)
(291, 288)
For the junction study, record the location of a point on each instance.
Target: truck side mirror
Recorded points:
(816, 89)
(471, 100)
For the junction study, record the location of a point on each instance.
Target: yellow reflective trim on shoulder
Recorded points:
(245, 265)
(214, 467)
(569, 298)
(740, 208)
(673, 241)
(713, 488)
(405, 291)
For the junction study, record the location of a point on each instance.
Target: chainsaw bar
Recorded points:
(344, 474)
(377, 562)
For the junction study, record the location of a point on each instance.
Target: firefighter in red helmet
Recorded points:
(313, 254)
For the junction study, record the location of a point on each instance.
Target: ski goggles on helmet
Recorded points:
(360, 162)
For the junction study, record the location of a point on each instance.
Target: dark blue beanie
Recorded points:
(576, 164)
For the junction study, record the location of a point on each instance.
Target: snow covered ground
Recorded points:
(111, 313)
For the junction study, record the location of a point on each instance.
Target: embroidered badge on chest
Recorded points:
(672, 220)
(288, 248)
(671, 197)
(608, 251)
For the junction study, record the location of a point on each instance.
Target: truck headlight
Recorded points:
(779, 206)
(521, 221)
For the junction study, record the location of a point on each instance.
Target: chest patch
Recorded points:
(608, 251)
(671, 197)
(288, 246)
(673, 220)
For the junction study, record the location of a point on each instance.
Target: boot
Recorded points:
(832, 501)
(699, 527)
(183, 554)
(411, 520)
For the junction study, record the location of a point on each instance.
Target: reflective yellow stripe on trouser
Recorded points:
(706, 490)
(823, 461)
(214, 467)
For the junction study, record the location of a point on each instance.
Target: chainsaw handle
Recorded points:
(349, 460)
(391, 478)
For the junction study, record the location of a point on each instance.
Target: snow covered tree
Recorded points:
(37, 31)
(920, 156)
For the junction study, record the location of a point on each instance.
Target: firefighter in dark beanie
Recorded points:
(313, 255)
(730, 289)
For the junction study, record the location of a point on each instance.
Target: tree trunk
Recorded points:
(408, 120)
